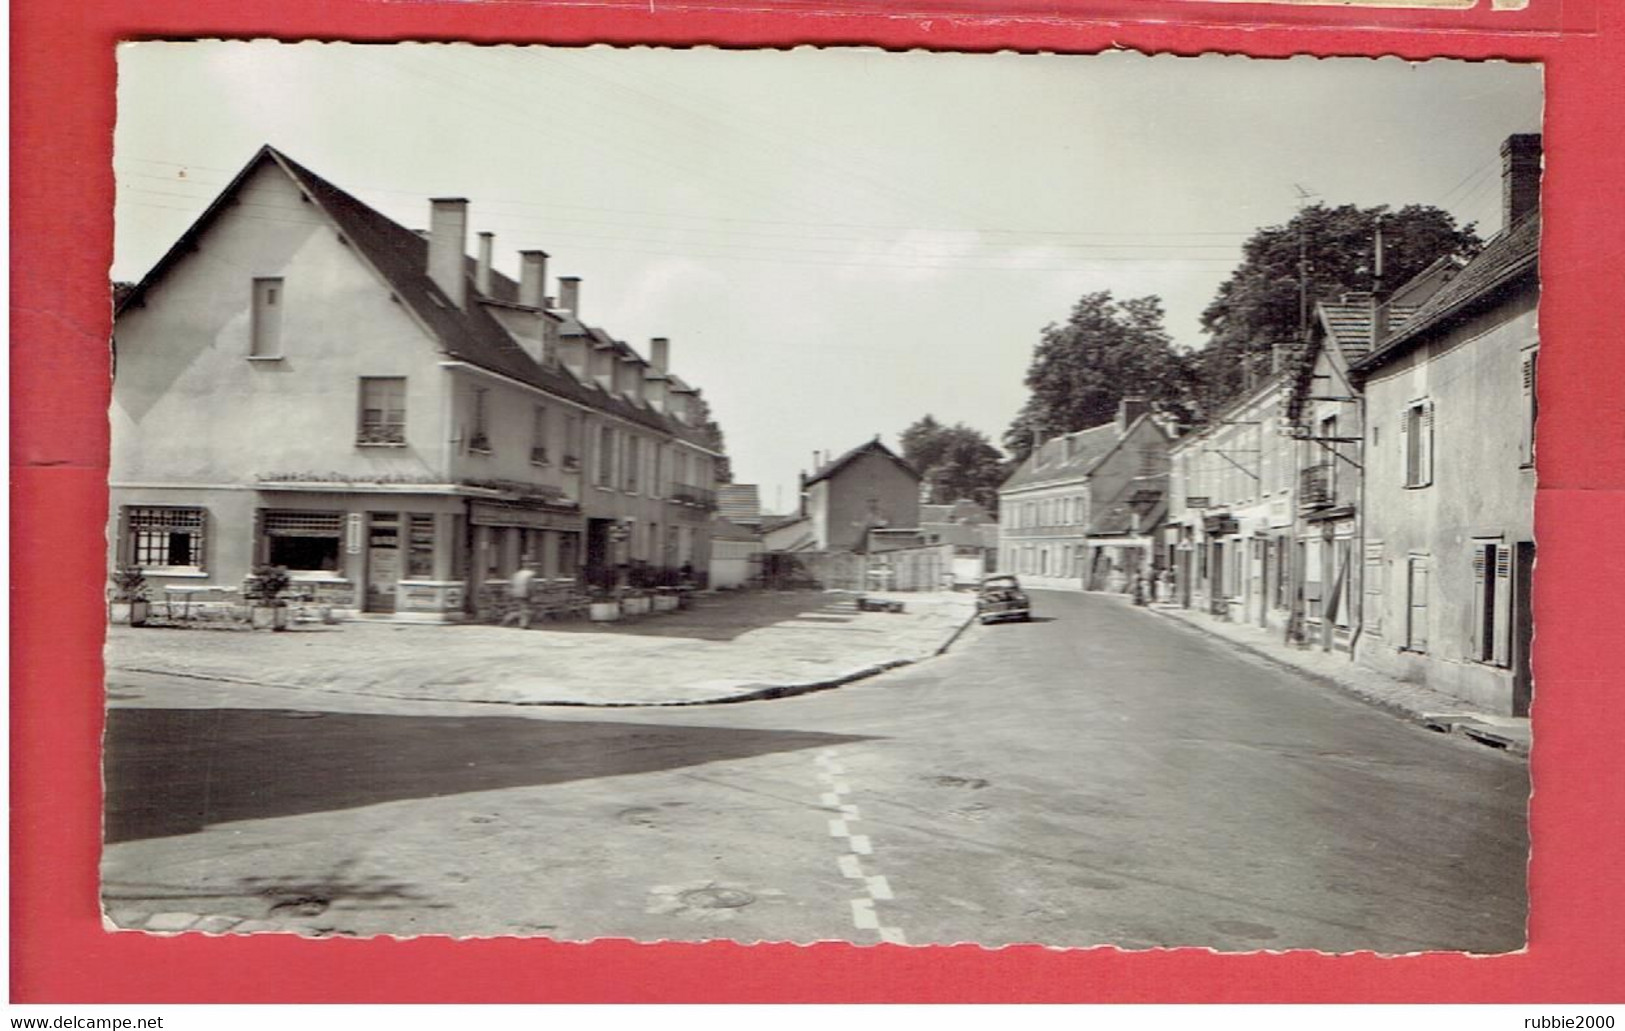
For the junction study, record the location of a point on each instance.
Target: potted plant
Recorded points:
(602, 606)
(129, 603)
(264, 590)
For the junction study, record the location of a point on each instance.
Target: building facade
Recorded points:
(302, 382)
(867, 489)
(1228, 538)
(1056, 509)
(1450, 470)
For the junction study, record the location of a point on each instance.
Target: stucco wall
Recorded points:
(1480, 488)
(191, 406)
(846, 503)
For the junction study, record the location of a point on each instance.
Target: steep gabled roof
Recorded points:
(1506, 259)
(400, 256)
(873, 447)
(1067, 457)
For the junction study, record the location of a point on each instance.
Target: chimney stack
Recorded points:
(660, 354)
(448, 241)
(1520, 177)
(1129, 409)
(532, 278)
(482, 267)
(570, 294)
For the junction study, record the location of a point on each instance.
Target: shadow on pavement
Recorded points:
(722, 617)
(176, 771)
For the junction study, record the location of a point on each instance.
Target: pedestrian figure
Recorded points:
(519, 591)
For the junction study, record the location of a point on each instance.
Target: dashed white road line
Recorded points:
(865, 916)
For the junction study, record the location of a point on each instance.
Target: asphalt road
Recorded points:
(1099, 776)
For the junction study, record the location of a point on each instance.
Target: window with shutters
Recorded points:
(631, 465)
(164, 540)
(1416, 603)
(1416, 440)
(1491, 640)
(265, 333)
(479, 438)
(1375, 586)
(302, 541)
(383, 411)
(538, 436)
(606, 457)
(1530, 406)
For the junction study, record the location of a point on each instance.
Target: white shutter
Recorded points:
(1528, 410)
(1407, 467)
(1480, 573)
(1503, 606)
(1425, 450)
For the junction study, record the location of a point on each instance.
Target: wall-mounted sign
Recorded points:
(1197, 501)
(352, 533)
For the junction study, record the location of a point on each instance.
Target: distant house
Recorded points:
(735, 554)
(740, 504)
(303, 382)
(1449, 459)
(868, 488)
(1074, 513)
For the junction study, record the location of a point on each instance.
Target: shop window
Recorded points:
(303, 541)
(420, 546)
(164, 539)
(383, 410)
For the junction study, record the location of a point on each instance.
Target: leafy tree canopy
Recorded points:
(957, 462)
(1106, 350)
(712, 434)
(1258, 307)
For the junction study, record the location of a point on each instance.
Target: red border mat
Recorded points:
(62, 121)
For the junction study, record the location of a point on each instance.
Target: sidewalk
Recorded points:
(1432, 709)
(728, 648)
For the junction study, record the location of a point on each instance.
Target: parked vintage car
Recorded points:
(1001, 598)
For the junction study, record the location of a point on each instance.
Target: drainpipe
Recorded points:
(1358, 558)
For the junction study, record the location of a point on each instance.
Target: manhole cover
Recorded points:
(716, 898)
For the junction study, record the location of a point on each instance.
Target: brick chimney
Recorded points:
(532, 278)
(570, 294)
(482, 266)
(660, 354)
(1129, 409)
(657, 386)
(448, 242)
(1520, 176)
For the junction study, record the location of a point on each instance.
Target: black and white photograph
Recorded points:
(825, 494)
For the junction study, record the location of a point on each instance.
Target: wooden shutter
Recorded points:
(1480, 634)
(1502, 624)
(1528, 410)
(1416, 597)
(1425, 446)
(1407, 464)
(1372, 616)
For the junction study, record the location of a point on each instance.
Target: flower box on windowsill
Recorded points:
(571, 464)
(381, 436)
(479, 444)
(538, 456)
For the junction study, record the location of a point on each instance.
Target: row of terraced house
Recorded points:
(301, 381)
(1373, 496)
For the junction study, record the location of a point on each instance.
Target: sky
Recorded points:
(837, 241)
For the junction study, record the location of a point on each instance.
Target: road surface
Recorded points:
(1102, 775)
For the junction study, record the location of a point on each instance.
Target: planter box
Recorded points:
(604, 611)
(665, 602)
(263, 617)
(635, 606)
(131, 613)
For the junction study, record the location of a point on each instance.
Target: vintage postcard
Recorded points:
(822, 495)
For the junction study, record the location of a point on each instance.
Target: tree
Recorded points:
(1106, 350)
(711, 434)
(956, 461)
(1260, 306)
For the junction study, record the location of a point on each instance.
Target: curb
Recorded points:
(765, 692)
(1463, 725)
